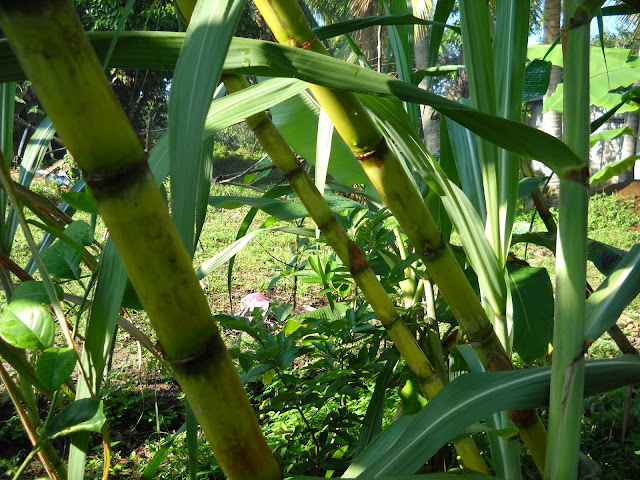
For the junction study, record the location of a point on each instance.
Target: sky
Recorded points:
(610, 25)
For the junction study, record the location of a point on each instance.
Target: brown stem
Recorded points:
(24, 124)
(538, 200)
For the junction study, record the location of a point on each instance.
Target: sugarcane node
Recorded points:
(388, 325)
(293, 173)
(255, 128)
(522, 417)
(485, 339)
(425, 380)
(581, 17)
(429, 252)
(498, 362)
(211, 352)
(357, 261)
(379, 151)
(325, 226)
(578, 175)
(118, 179)
(309, 44)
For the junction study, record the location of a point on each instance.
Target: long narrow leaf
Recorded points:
(372, 422)
(121, 23)
(33, 156)
(267, 58)
(323, 149)
(401, 41)
(465, 152)
(606, 304)
(354, 24)
(99, 335)
(230, 110)
(152, 467)
(505, 452)
(192, 440)
(215, 262)
(470, 398)
(510, 54)
(7, 106)
(441, 14)
(297, 120)
(196, 76)
(463, 215)
(159, 51)
(286, 210)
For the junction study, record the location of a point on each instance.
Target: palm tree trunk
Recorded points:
(430, 118)
(552, 121)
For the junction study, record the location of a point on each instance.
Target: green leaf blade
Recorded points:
(35, 291)
(197, 73)
(532, 295)
(468, 399)
(84, 415)
(55, 366)
(27, 324)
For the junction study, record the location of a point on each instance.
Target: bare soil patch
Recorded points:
(631, 190)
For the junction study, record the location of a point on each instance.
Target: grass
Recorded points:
(263, 257)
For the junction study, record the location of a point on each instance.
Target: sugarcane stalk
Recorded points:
(53, 50)
(385, 171)
(567, 375)
(353, 258)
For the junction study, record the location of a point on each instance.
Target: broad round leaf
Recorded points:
(35, 291)
(27, 324)
(55, 365)
(80, 201)
(536, 79)
(532, 296)
(63, 258)
(82, 415)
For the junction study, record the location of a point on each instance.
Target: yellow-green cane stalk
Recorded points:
(353, 258)
(385, 171)
(358, 130)
(54, 52)
(567, 375)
